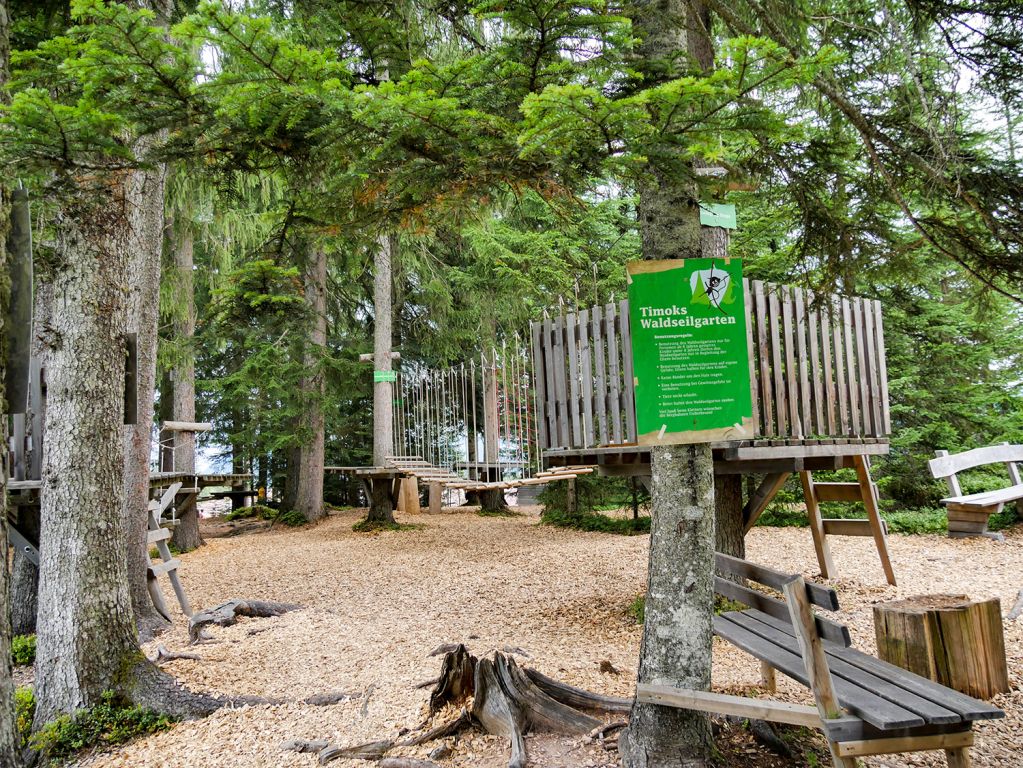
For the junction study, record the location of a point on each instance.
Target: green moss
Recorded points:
(23, 650)
(724, 605)
(375, 526)
(637, 608)
(596, 522)
(110, 722)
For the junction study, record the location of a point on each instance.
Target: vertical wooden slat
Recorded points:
(813, 324)
(805, 414)
(882, 370)
(850, 368)
(862, 375)
(629, 394)
(597, 321)
(586, 376)
(777, 371)
(571, 329)
(876, 430)
(841, 369)
(18, 421)
(747, 290)
(560, 383)
(540, 382)
(830, 403)
(791, 381)
(764, 355)
(38, 404)
(614, 373)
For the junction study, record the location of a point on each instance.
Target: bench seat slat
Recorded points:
(967, 707)
(987, 498)
(872, 708)
(930, 711)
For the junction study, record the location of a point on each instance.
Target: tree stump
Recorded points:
(950, 639)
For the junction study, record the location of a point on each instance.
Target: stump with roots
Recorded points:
(950, 639)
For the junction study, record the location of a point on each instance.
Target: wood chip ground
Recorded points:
(377, 604)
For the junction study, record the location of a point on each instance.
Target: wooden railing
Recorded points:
(817, 370)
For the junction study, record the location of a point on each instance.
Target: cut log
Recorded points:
(226, 614)
(496, 714)
(950, 639)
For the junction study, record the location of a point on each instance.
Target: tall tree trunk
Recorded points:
(186, 534)
(309, 499)
(383, 428)
(143, 239)
(9, 753)
(677, 632)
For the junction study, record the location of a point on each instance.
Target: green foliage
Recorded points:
(24, 712)
(263, 512)
(637, 609)
(109, 722)
(594, 492)
(23, 650)
(596, 522)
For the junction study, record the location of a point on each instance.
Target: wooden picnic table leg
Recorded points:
(873, 515)
(958, 758)
(768, 677)
(820, 540)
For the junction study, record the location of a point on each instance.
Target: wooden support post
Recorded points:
(571, 500)
(820, 541)
(817, 672)
(436, 491)
(768, 678)
(862, 465)
(958, 758)
(410, 495)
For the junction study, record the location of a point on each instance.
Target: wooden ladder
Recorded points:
(168, 566)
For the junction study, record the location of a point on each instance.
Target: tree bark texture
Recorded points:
(729, 534)
(677, 631)
(142, 240)
(8, 729)
(186, 534)
(383, 391)
(309, 497)
(87, 634)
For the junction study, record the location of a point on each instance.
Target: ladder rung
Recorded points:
(160, 569)
(161, 534)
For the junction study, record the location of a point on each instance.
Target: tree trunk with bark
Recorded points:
(186, 534)
(309, 493)
(677, 632)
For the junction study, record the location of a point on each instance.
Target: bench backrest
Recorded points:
(948, 464)
(824, 597)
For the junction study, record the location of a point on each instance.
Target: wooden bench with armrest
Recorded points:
(968, 514)
(865, 706)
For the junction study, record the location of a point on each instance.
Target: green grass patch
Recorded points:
(637, 609)
(108, 723)
(376, 526)
(23, 650)
(292, 517)
(596, 522)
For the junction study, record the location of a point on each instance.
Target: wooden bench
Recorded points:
(864, 706)
(968, 513)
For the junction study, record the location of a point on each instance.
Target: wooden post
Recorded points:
(571, 500)
(820, 541)
(435, 498)
(873, 515)
(950, 639)
(817, 671)
(768, 678)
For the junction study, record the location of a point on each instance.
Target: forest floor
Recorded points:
(376, 605)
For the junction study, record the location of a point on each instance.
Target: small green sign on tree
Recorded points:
(690, 352)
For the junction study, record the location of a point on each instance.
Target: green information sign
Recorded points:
(717, 215)
(379, 376)
(689, 351)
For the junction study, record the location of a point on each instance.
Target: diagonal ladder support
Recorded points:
(157, 537)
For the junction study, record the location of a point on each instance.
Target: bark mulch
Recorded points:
(376, 605)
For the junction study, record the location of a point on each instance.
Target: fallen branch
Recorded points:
(326, 699)
(162, 654)
(227, 614)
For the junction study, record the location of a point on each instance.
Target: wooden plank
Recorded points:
(874, 515)
(764, 355)
(161, 569)
(777, 372)
(586, 377)
(560, 383)
(597, 323)
(737, 706)
(905, 744)
(830, 395)
(540, 383)
(37, 421)
(825, 597)
(787, 660)
(876, 424)
(965, 706)
(791, 375)
(19, 435)
(862, 374)
(754, 390)
(948, 464)
(574, 375)
(772, 606)
(830, 492)
(767, 490)
(805, 412)
(159, 535)
(818, 532)
(21, 543)
(882, 369)
(806, 450)
(553, 430)
(848, 527)
(987, 498)
(629, 376)
(614, 373)
(813, 325)
(841, 375)
(851, 374)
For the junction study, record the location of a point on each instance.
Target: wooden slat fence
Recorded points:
(817, 370)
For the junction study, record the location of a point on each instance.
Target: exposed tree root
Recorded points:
(226, 614)
(577, 697)
(162, 654)
(373, 750)
(405, 762)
